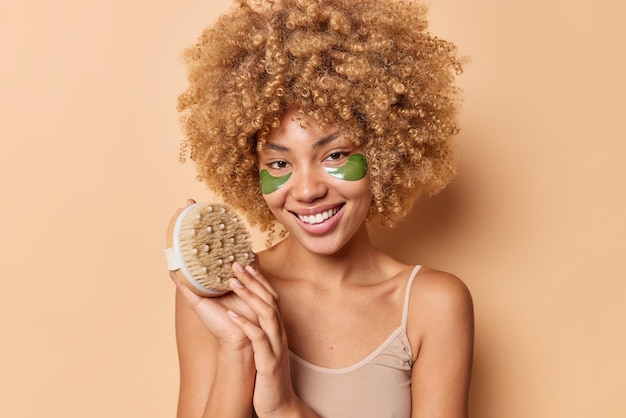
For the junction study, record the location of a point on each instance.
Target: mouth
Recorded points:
(318, 218)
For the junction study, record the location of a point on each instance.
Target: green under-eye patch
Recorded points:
(354, 169)
(270, 183)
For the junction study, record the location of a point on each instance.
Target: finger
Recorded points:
(261, 344)
(268, 313)
(261, 279)
(255, 281)
(254, 294)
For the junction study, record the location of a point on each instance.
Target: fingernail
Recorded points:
(236, 283)
(238, 267)
(250, 269)
(233, 314)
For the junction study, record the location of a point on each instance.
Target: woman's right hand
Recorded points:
(213, 312)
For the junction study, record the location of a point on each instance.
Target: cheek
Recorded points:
(274, 201)
(356, 190)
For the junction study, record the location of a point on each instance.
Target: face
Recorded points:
(315, 183)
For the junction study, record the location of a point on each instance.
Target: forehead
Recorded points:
(296, 130)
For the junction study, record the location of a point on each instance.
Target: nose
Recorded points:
(309, 185)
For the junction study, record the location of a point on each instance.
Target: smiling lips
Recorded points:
(318, 218)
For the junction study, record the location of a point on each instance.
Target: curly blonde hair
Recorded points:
(367, 67)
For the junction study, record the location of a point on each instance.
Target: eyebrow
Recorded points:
(320, 143)
(326, 140)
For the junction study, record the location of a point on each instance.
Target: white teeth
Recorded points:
(318, 218)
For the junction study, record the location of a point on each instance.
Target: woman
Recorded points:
(318, 117)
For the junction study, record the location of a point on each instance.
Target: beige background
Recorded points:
(535, 223)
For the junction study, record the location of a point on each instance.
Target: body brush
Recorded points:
(203, 242)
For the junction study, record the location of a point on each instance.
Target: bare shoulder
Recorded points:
(436, 287)
(439, 301)
(441, 333)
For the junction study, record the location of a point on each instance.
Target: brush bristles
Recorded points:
(211, 239)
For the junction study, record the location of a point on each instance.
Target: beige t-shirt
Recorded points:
(378, 386)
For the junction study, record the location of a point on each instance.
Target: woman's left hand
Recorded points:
(273, 392)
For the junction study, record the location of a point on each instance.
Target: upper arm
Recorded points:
(441, 327)
(197, 350)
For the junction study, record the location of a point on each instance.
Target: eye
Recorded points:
(278, 165)
(335, 156)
